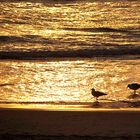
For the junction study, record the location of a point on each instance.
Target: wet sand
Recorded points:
(72, 123)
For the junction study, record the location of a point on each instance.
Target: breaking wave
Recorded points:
(73, 53)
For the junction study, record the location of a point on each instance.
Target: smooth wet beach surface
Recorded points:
(84, 106)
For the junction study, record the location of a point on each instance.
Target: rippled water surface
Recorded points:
(80, 30)
(42, 25)
(67, 80)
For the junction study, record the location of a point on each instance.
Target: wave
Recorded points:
(12, 22)
(72, 53)
(25, 39)
(6, 84)
(102, 29)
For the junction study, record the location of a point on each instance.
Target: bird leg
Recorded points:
(96, 99)
(134, 91)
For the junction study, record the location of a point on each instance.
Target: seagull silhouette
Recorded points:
(134, 86)
(97, 94)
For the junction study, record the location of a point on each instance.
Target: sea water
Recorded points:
(67, 80)
(98, 42)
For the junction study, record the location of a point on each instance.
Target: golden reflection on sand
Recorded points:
(50, 107)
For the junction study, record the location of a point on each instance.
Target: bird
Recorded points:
(134, 86)
(97, 94)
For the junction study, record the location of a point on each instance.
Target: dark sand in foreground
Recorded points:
(29, 123)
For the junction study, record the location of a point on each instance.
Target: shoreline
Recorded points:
(73, 106)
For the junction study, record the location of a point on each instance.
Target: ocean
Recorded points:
(56, 51)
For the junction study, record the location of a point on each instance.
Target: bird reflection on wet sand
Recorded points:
(96, 104)
(134, 96)
(114, 105)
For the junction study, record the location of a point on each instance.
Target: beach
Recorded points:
(52, 53)
(29, 123)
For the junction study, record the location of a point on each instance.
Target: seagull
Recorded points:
(134, 86)
(97, 94)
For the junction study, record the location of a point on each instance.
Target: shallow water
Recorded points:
(67, 80)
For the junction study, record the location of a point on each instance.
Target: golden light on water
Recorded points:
(49, 22)
(67, 80)
(64, 27)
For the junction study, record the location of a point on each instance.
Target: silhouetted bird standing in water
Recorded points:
(134, 86)
(97, 94)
